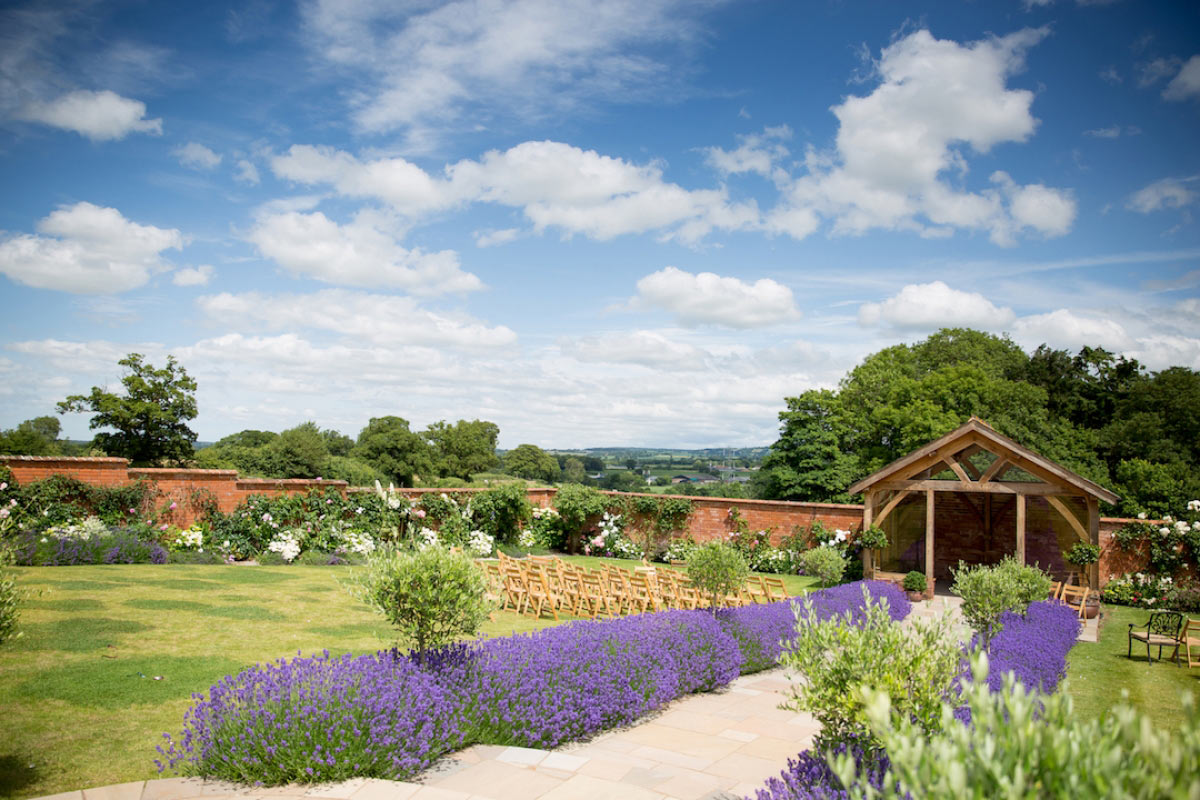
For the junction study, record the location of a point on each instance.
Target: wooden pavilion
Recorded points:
(982, 497)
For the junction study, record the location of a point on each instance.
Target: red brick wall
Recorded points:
(960, 532)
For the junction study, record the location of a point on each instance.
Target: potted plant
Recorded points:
(914, 584)
(1083, 556)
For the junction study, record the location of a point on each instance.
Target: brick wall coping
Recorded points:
(284, 483)
(70, 459)
(176, 473)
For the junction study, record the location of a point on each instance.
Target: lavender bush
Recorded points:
(389, 716)
(1032, 648)
(318, 719)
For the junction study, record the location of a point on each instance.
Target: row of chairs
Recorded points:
(538, 585)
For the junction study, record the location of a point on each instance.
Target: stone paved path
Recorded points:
(704, 747)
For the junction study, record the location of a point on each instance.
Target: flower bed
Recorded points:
(388, 716)
(1033, 648)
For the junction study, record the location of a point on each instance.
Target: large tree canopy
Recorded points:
(149, 421)
(532, 463)
(389, 446)
(464, 448)
(1098, 414)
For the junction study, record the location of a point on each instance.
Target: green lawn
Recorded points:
(111, 655)
(1096, 673)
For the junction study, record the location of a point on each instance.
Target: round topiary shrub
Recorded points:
(717, 570)
(914, 581)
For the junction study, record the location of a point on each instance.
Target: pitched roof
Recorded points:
(976, 431)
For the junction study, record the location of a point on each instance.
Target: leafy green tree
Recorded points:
(337, 443)
(623, 481)
(573, 471)
(808, 463)
(593, 464)
(149, 420)
(464, 448)
(718, 570)
(532, 463)
(298, 452)
(387, 444)
(33, 437)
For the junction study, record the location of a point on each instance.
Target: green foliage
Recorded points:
(826, 564)
(432, 596)
(717, 569)
(464, 448)
(623, 480)
(1081, 555)
(532, 463)
(1022, 744)
(502, 512)
(33, 437)
(836, 659)
(873, 538)
(573, 471)
(299, 452)
(60, 499)
(577, 507)
(149, 418)
(352, 471)
(988, 592)
(10, 596)
(389, 446)
(915, 582)
(1098, 414)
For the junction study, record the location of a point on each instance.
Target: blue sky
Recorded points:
(593, 222)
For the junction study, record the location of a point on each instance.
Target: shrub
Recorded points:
(873, 538)
(1022, 743)
(577, 506)
(431, 596)
(839, 656)
(717, 569)
(502, 512)
(318, 719)
(915, 582)
(9, 597)
(1184, 597)
(826, 564)
(1033, 647)
(1081, 555)
(988, 592)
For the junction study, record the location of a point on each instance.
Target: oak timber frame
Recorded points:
(913, 474)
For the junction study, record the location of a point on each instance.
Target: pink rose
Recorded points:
(162, 527)
(173, 506)
(420, 512)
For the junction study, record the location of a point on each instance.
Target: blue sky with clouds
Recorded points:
(593, 222)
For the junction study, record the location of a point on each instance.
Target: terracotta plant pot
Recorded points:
(1091, 608)
(916, 596)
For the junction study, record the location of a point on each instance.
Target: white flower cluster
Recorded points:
(87, 529)
(480, 544)
(1193, 505)
(287, 544)
(527, 539)
(359, 542)
(838, 539)
(427, 537)
(192, 538)
(540, 512)
(610, 524)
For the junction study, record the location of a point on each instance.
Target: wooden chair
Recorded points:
(1189, 640)
(1055, 590)
(642, 594)
(774, 587)
(1161, 630)
(516, 594)
(593, 594)
(1075, 597)
(540, 597)
(756, 591)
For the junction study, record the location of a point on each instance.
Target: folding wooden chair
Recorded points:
(1189, 642)
(755, 590)
(1055, 590)
(539, 594)
(516, 593)
(641, 593)
(1075, 597)
(774, 587)
(593, 594)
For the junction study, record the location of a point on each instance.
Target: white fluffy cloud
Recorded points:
(926, 306)
(757, 153)
(193, 276)
(422, 68)
(87, 249)
(1166, 193)
(383, 319)
(647, 348)
(710, 299)
(196, 156)
(1186, 84)
(556, 185)
(363, 252)
(898, 147)
(1071, 330)
(99, 116)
